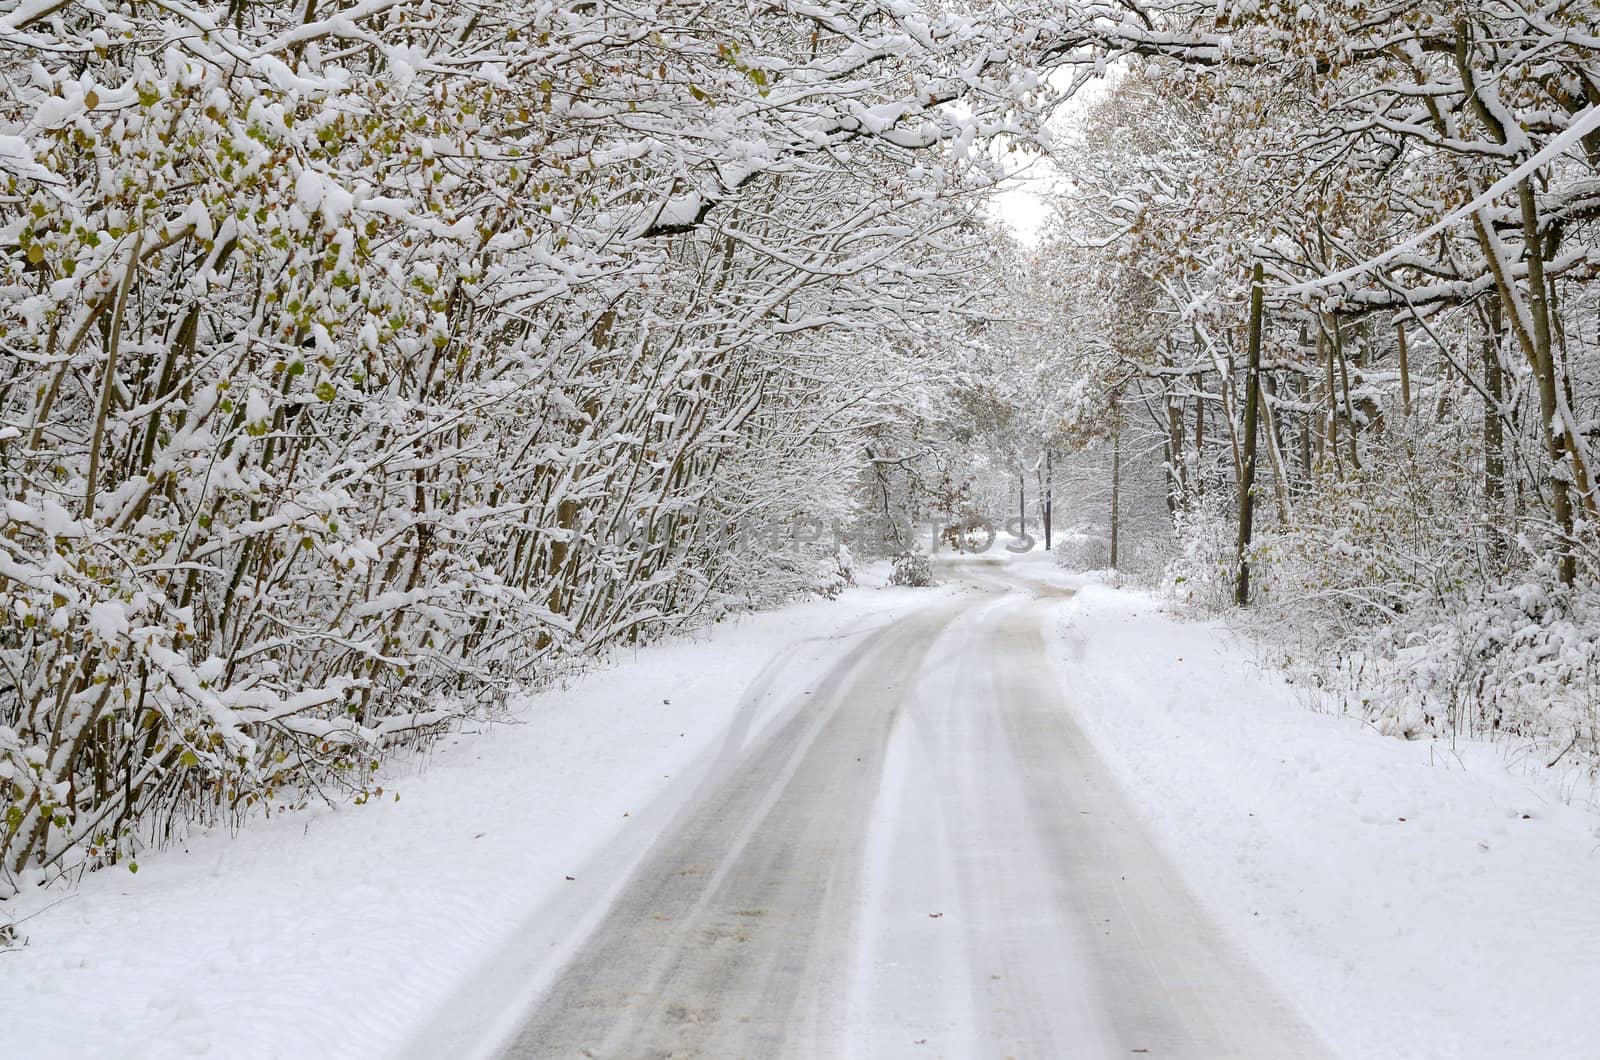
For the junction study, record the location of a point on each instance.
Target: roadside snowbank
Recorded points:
(341, 933)
(1415, 901)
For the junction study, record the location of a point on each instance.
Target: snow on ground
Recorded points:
(1413, 901)
(1416, 902)
(338, 933)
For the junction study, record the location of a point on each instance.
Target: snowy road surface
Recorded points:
(921, 856)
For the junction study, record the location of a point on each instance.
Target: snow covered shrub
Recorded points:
(1395, 608)
(1518, 660)
(1082, 548)
(1202, 571)
(912, 569)
(785, 574)
(1383, 539)
(836, 573)
(844, 562)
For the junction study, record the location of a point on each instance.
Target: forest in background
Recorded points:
(1342, 276)
(365, 362)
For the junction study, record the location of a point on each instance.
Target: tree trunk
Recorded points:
(1280, 468)
(1329, 443)
(1344, 386)
(1022, 505)
(1116, 478)
(1247, 476)
(108, 379)
(1178, 485)
(1494, 458)
(1545, 371)
(1305, 431)
(1405, 368)
(1049, 495)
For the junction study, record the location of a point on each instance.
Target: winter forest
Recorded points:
(367, 361)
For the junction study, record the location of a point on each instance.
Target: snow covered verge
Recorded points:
(340, 932)
(1428, 635)
(1416, 900)
(1517, 661)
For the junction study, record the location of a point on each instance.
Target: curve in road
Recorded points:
(923, 857)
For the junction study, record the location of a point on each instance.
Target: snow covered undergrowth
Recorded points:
(1518, 662)
(341, 932)
(1416, 902)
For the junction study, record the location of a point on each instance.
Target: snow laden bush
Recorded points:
(912, 569)
(1202, 572)
(1383, 599)
(1083, 548)
(836, 573)
(362, 364)
(1518, 659)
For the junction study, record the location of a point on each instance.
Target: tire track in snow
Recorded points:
(924, 858)
(731, 939)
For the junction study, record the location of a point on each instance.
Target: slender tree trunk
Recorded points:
(1494, 460)
(1116, 478)
(1247, 476)
(1545, 370)
(108, 380)
(1405, 368)
(1329, 445)
(1049, 495)
(1564, 370)
(1022, 505)
(1305, 431)
(1280, 470)
(1230, 411)
(1178, 487)
(1344, 386)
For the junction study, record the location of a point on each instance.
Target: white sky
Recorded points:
(1023, 204)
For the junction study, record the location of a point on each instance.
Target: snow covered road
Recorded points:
(921, 856)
